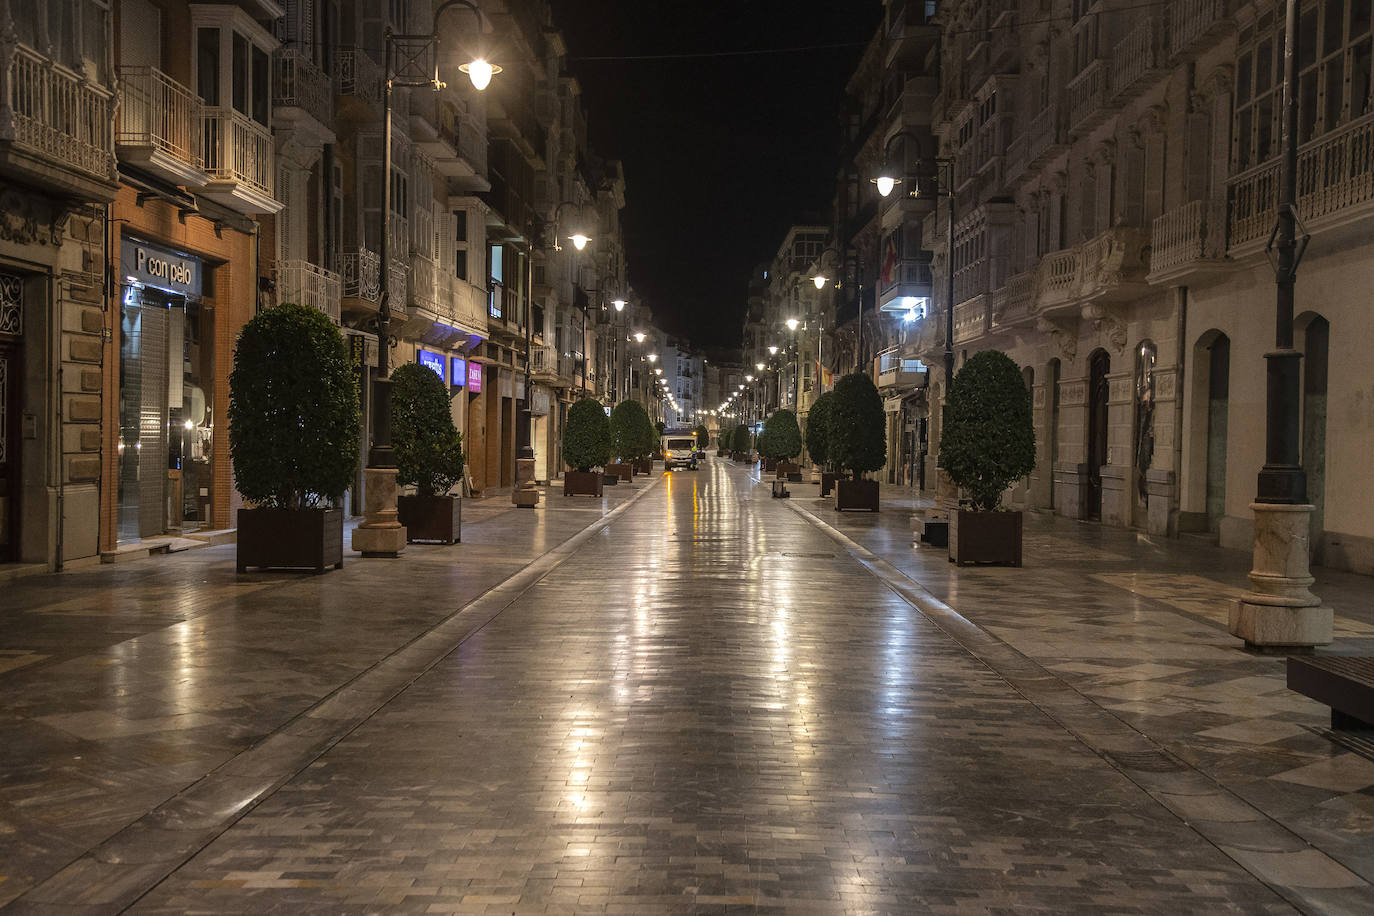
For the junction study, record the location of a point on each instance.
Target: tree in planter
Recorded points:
(988, 439)
(818, 429)
(781, 437)
(703, 436)
(586, 436)
(293, 437)
(429, 454)
(586, 445)
(629, 421)
(858, 429)
(739, 441)
(652, 434)
(660, 427)
(293, 410)
(429, 448)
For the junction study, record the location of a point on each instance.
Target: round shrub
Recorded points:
(631, 431)
(293, 410)
(858, 428)
(988, 440)
(818, 428)
(429, 448)
(739, 440)
(587, 435)
(781, 439)
(703, 436)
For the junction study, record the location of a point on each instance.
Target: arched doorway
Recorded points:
(1316, 340)
(1099, 365)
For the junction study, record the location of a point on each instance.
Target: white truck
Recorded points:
(679, 451)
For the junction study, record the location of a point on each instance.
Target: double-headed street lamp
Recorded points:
(380, 534)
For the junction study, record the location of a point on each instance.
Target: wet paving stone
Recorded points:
(708, 707)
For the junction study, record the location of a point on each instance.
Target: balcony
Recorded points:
(1138, 60)
(424, 290)
(1090, 97)
(1011, 304)
(361, 272)
(359, 85)
(1109, 268)
(56, 128)
(239, 160)
(1335, 186)
(1186, 241)
(892, 370)
(1194, 24)
(910, 279)
(158, 128)
(970, 280)
(1056, 280)
(306, 284)
(971, 319)
(455, 145)
(549, 366)
(302, 97)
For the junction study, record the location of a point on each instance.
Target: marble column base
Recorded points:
(1280, 611)
(380, 534)
(525, 496)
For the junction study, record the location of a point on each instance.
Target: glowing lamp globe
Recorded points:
(820, 280)
(579, 240)
(480, 72)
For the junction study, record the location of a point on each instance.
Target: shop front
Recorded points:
(167, 410)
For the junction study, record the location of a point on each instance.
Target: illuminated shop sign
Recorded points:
(433, 361)
(475, 378)
(457, 371)
(164, 268)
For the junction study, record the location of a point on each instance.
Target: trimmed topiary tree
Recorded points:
(739, 441)
(293, 410)
(858, 428)
(429, 448)
(629, 422)
(781, 438)
(653, 436)
(818, 429)
(988, 439)
(703, 436)
(586, 436)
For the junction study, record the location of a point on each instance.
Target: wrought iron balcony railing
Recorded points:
(158, 113)
(308, 284)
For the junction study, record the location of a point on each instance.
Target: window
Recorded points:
(460, 244)
(207, 65)
(1333, 75)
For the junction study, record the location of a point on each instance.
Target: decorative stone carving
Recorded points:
(1107, 322)
(27, 219)
(1065, 338)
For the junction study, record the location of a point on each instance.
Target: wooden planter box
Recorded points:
(985, 537)
(789, 471)
(722, 453)
(610, 480)
(644, 466)
(290, 539)
(827, 482)
(856, 494)
(770, 465)
(431, 518)
(622, 469)
(581, 483)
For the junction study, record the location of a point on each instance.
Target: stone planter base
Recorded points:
(431, 518)
(856, 494)
(581, 483)
(985, 537)
(290, 539)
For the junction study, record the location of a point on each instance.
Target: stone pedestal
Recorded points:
(380, 534)
(1116, 496)
(1279, 612)
(1071, 490)
(525, 496)
(1159, 490)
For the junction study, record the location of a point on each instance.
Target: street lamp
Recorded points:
(380, 534)
(943, 174)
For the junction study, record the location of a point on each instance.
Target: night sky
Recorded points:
(721, 153)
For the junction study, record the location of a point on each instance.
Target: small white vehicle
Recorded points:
(679, 451)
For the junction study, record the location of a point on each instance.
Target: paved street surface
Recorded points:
(687, 698)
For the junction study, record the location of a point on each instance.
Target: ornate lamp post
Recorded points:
(380, 534)
(1280, 612)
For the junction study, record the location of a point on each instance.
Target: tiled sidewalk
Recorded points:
(124, 685)
(1137, 627)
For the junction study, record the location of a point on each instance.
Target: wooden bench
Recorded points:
(1343, 682)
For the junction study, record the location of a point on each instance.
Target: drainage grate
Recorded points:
(809, 556)
(1147, 761)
